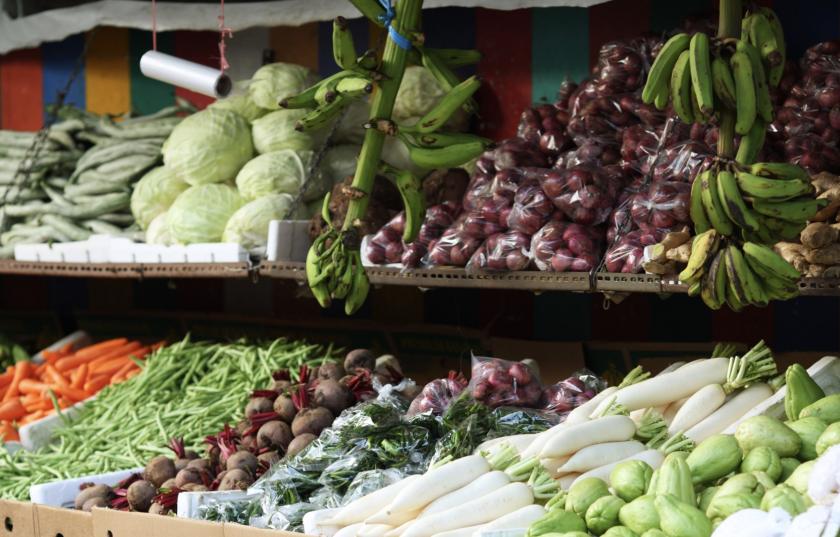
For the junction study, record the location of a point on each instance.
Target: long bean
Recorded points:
(188, 389)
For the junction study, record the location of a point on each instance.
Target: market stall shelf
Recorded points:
(126, 270)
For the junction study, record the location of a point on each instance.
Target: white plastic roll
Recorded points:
(185, 74)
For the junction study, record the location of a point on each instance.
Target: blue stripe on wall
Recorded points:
(559, 50)
(59, 61)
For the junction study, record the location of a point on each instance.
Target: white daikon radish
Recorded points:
(651, 456)
(313, 522)
(597, 455)
(519, 442)
(394, 519)
(349, 531)
(366, 506)
(697, 408)
(373, 530)
(581, 413)
(521, 518)
(664, 389)
(553, 465)
(481, 486)
(396, 532)
(535, 447)
(460, 532)
(577, 437)
(672, 367)
(730, 412)
(566, 481)
(435, 483)
(479, 511)
(672, 409)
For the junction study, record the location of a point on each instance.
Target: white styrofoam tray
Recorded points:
(825, 372)
(106, 249)
(63, 493)
(288, 240)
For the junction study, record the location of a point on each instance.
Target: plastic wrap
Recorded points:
(510, 250)
(454, 248)
(438, 218)
(531, 209)
(663, 205)
(496, 382)
(627, 252)
(585, 194)
(438, 394)
(545, 127)
(568, 394)
(562, 247)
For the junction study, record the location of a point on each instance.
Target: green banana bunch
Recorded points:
(763, 30)
(659, 76)
(414, 201)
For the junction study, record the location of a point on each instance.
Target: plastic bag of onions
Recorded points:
(585, 194)
(564, 247)
(663, 205)
(438, 394)
(454, 248)
(627, 253)
(531, 209)
(496, 382)
(386, 245)
(502, 252)
(438, 219)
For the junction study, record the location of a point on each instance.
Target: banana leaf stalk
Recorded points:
(729, 25)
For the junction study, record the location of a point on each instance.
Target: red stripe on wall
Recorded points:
(199, 47)
(22, 101)
(619, 19)
(505, 69)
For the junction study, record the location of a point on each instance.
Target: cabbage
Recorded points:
(208, 147)
(277, 131)
(336, 164)
(350, 128)
(249, 225)
(158, 230)
(200, 213)
(419, 92)
(280, 172)
(241, 103)
(154, 193)
(276, 81)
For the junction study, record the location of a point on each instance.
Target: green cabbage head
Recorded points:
(279, 172)
(158, 230)
(154, 193)
(276, 81)
(240, 101)
(249, 225)
(276, 131)
(201, 212)
(209, 147)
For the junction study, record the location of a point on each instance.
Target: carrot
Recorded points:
(32, 387)
(84, 356)
(119, 376)
(111, 366)
(96, 383)
(57, 378)
(103, 346)
(63, 402)
(66, 350)
(70, 393)
(133, 373)
(22, 371)
(35, 416)
(79, 376)
(40, 368)
(116, 353)
(7, 432)
(12, 409)
(6, 378)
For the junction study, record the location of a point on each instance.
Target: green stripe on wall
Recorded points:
(560, 49)
(148, 95)
(665, 15)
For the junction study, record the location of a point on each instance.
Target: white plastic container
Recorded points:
(288, 240)
(63, 493)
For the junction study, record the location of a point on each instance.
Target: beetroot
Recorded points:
(242, 460)
(140, 495)
(285, 408)
(187, 475)
(159, 469)
(269, 457)
(236, 479)
(258, 405)
(330, 370)
(96, 501)
(299, 443)
(274, 435)
(311, 420)
(91, 492)
(359, 359)
(333, 396)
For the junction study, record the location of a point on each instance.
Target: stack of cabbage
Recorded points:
(230, 169)
(71, 193)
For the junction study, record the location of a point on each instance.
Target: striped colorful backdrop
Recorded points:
(527, 53)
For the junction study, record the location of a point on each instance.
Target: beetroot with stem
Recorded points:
(242, 460)
(159, 469)
(223, 444)
(359, 359)
(332, 395)
(330, 370)
(285, 408)
(236, 479)
(360, 384)
(187, 475)
(312, 420)
(269, 457)
(96, 501)
(275, 435)
(140, 495)
(91, 492)
(258, 405)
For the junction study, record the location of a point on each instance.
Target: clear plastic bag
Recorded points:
(438, 218)
(663, 205)
(531, 209)
(454, 248)
(496, 382)
(626, 254)
(585, 194)
(545, 126)
(438, 394)
(508, 251)
(386, 245)
(564, 396)
(563, 247)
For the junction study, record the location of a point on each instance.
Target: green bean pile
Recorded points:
(188, 389)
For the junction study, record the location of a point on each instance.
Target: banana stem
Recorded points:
(393, 66)
(729, 21)
(726, 134)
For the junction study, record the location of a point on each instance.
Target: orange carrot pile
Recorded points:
(29, 392)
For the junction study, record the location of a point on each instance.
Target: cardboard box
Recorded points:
(54, 521)
(18, 519)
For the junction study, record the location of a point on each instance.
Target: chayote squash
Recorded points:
(556, 521)
(675, 478)
(640, 515)
(620, 531)
(764, 459)
(741, 483)
(827, 409)
(603, 514)
(572, 534)
(723, 506)
(770, 432)
(809, 430)
(786, 497)
(705, 498)
(654, 532)
(789, 464)
(584, 493)
(829, 437)
(630, 479)
(800, 477)
(713, 458)
(679, 519)
(801, 391)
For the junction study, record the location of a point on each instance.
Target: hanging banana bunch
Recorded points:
(738, 206)
(333, 265)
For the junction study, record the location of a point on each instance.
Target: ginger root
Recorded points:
(832, 272)
(825, 181)
(827, 255)
(680, 254)
(815, 270)
(818, 235)
(830, 211)
(794, 254)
